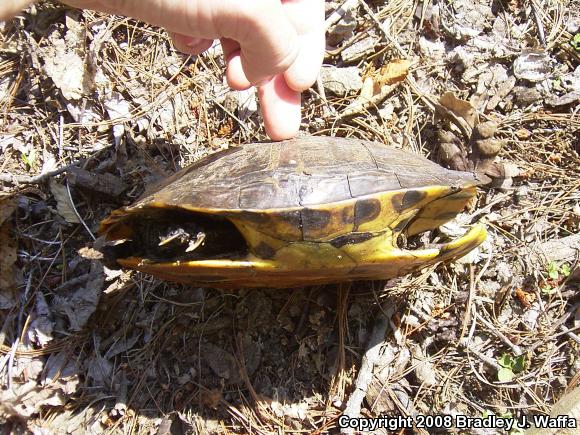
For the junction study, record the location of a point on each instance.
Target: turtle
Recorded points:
(306, 211)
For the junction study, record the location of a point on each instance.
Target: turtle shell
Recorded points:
(301, 173)
(289, 213)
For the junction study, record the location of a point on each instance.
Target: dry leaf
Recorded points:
(222, 363)
(64, 62)
(525, 298)
(79, 305)
(460, 108)
(100, 371)
(24, 400)
(40, 330)
(64, 204)
(393, 72)
(7, 207)
(8, 246)
(368, 89)
(61, 371)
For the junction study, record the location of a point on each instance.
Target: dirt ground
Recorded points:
(94, 108)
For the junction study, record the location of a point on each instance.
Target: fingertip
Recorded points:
(307, 16)
(235, 73)
(280, 106)
(303, 72)
(190, 45)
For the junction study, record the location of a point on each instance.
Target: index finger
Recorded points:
(307, 17)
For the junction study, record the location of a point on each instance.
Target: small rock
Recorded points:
(489, 287)
(343, 30)
(504, 272)
(431, 48)
(424, 369)
(573, 25)
(564, 100)
(453, 229)
(533, 65)
(386, 112)
(520, 194)
(530, 317)
(358, 50)
(525, 96)
(341, 81)
(467, 19)
(472, 257)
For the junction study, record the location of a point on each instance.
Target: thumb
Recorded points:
(10, 8)
(267, 39)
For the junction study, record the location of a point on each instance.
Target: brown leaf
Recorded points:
(107, 184)
(460, 108)
(64, 204)
(8, 245)
(525, 298)
(211, 398)
(7, 207)
(393, 72)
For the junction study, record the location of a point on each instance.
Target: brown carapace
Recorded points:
(312, 210)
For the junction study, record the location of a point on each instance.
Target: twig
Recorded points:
(539, 24)
(81, 220)
(517, 350)
(60, 135)
(338, 382)
(339, 12)
(326, 109)
(362, 103)
(36, 179)
(470, 297)
(481, 356)
(365, 374)
(569, 333)
(382, 28)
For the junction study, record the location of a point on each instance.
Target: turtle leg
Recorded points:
(449, 251)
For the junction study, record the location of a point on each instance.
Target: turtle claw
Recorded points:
(452, 250)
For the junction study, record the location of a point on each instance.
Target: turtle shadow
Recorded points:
(190, 357)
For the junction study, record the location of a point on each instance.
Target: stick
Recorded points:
(365, 374)
(36, 179)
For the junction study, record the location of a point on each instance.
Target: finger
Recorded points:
(280, 107)
(10, 8)
(268, 41)
(307, 17)
(234, 71)
(189, 44)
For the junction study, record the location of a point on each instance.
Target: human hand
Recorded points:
(277, 45)
(10, 8)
